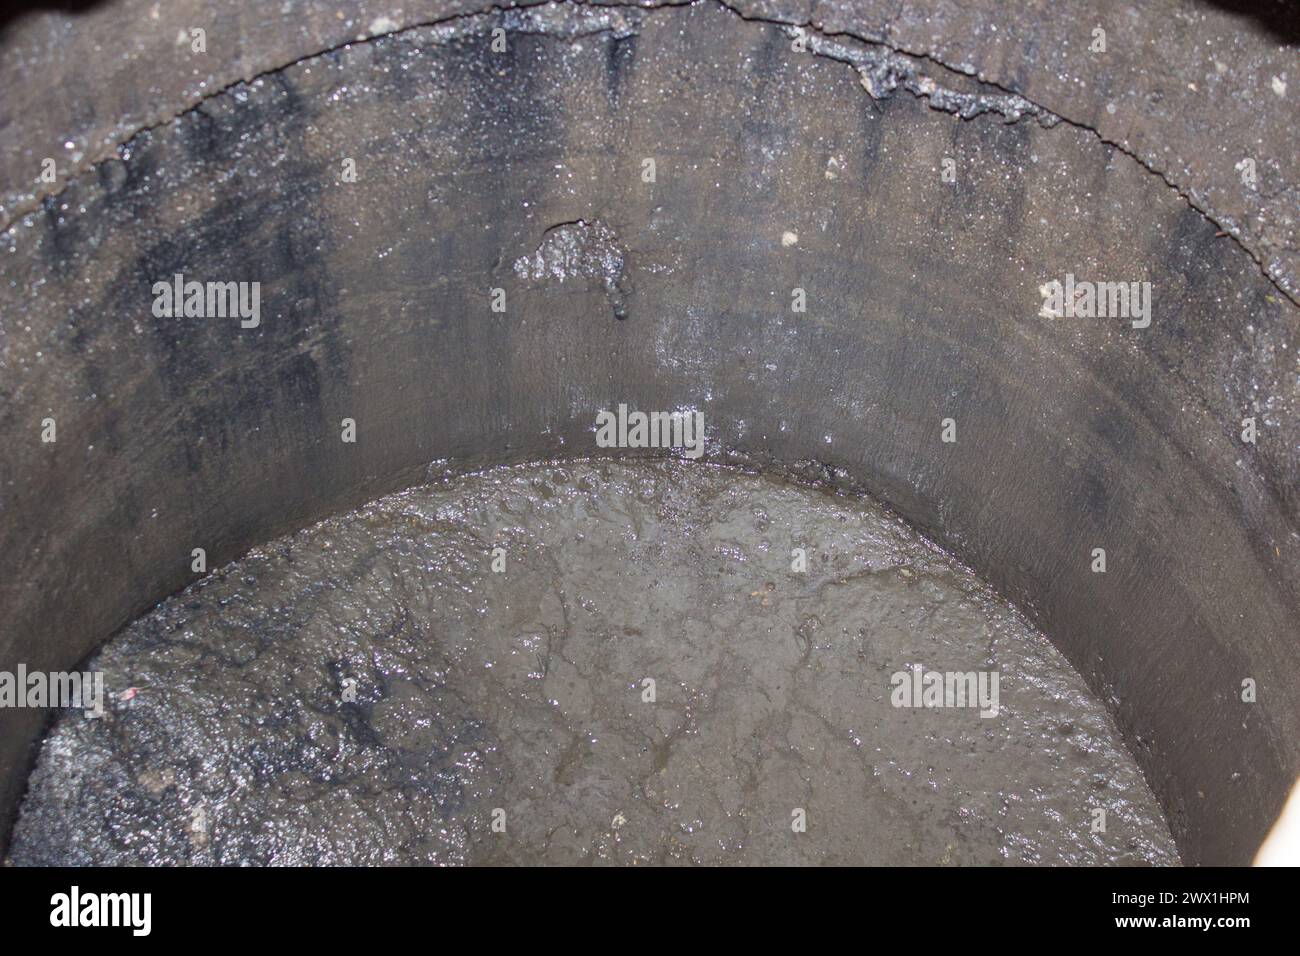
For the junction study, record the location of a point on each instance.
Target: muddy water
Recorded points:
(371, 690)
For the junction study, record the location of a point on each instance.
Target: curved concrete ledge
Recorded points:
(1190, 91)
(774, 170)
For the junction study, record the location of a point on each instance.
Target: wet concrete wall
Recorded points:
(775, 170)
(1192, 89)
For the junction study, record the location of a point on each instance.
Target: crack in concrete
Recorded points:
(946, 100)
(882, 71)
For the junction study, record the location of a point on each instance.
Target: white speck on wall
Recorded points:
(789, 238)
(382, 25)
(1279, 86)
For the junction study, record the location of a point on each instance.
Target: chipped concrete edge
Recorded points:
(883, 68)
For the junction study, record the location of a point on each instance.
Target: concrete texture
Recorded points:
(1189, 89)
(775, 170)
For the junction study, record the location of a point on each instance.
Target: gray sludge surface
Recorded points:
(229, 737)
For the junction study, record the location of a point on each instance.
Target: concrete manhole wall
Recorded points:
(626, 205)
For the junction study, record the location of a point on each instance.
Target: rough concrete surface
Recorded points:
(776, 170)
(1188, 89)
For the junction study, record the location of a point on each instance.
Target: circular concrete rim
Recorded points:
(1166, 636)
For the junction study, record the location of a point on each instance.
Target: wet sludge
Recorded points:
(461, 673)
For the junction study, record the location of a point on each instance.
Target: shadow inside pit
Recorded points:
(1279, 18)
(11, 13)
